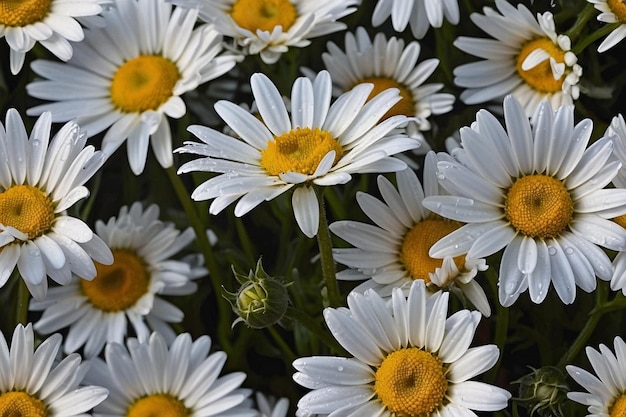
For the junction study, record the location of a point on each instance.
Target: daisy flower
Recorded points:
(409, 359)
(319, 145)
(611, 11)
(617, 129)
(606, 392)
(527, 58)
(52, 23)
(128, 77)
(538, 192)
(33, 384)
(394, 252)
(420, 14)
(97, 311)
(361, 63)
(39, 180)
(178, 380)
(270, 27)
(270, 406)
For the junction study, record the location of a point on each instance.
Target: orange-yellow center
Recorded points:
(618, 409)
(404, 107)
(621, 220)
(20, 13)
(144, 83)
(264, 15)
(120, 285)
(299, 150)
(618, 7)
(411, 382)
(158, 405)
(417, 243)
(27, 209)
(21, 404)
(540, 77)
(539, 206)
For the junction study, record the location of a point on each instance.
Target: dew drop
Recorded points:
(340, 368)
(569, 250)
(551, 250)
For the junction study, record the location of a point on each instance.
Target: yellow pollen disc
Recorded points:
(144, 83)
(411, 382)
(299, 150)
(417, 243)
(20, 13)
(404, 107)
(621, 220)
(20, 404)
(618, 409)
(539, 206)
(540, 77)
(118, 286)
(27, 209)
(618, 7)
(264, 14)
(158, 405)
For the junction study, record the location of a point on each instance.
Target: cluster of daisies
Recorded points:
(526, 189)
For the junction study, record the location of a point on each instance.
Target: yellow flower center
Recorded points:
(618, 7)
(21, 404)
(404, 107)
(158, 405)
(618, 409)
(118, 286)
(144, 83)
(417, 243)
(411, 382)
(28, 209)
(299, 150)
(540, 77)
(264, 14)
(20, 13)
(539, 206)
(621, 220)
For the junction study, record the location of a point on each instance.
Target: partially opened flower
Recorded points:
(360, 63)
(40, 179)
(527, 58)
(394, 252)
(270, 27)
(420, 15)
(537, 191)
(128, 77)
(611, 11)
(32, 384)
(144, 267)
(318, 145)
(409, 359)
(606, 392)
(181, 379)
(52, 23)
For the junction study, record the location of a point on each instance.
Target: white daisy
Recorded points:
(362, 62)
(527, 58)
(319, 145)
(39, 180)
(394, 252)
(33, 384)
(180, 379)
(420, 14)
(409, 359)
(129, 76)
(606, 392)
(270, 406)
(611, 11)
(270, 27)
(539, 193)
(52, 23)
(143, 268)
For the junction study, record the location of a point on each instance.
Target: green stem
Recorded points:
(326, 255)
(308, 322)
(592, 37)
(223, 328)
(290, 356)
(502, 326)
(23, 297)
(580, 22)
(587, 330)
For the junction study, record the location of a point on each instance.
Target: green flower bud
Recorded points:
(261, 301)
(543, 391)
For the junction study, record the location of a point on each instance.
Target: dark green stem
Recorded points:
(580, 22)
(592, 37)
(502, 326)
(311, 325)
(23, 297)
(326, 255)
(289, 355)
